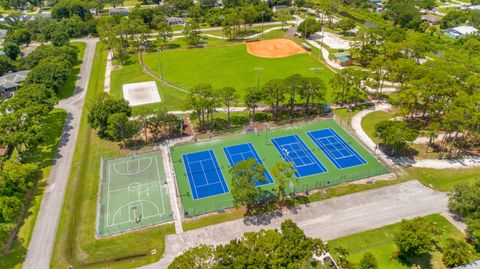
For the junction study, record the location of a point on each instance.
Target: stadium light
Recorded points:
(258, 76)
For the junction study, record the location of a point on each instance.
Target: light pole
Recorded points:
(263, 13)
(160, 65)
(223, 30)
(266, 133)
(258, 76)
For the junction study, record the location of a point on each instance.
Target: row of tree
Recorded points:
(17, 182)
(287, 248)
(290, 248)
(113, 120)
(279, 94)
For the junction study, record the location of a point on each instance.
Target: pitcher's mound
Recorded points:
(274, 48)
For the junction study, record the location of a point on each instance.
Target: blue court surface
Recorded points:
(337, 150)
(294, 150)
(204, 174)
(243, 152)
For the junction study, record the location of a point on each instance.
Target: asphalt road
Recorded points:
(327, 219)
(42, 242)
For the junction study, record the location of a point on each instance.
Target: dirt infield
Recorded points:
(274, 48)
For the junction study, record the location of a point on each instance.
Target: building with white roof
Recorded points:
(459, 31)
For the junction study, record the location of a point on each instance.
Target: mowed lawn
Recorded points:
(229, 65)
(380, 243)
(172, 99)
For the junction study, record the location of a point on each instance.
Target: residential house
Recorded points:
(175, 20)
(122, 11)
(432, 19)
(9, 83)
(459, 31)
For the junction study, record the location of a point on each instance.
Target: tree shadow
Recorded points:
(424, 261)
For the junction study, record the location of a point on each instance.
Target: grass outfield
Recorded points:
(229, 65)
(270, 156)
(380, 243)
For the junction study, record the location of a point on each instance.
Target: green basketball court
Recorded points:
(133, 194)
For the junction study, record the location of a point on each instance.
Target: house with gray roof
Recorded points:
(10, 82)
(473, 265)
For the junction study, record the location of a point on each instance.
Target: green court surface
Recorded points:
(269, 155)
(230, 66)
(133, 194)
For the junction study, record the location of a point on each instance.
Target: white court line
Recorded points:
(194, 189)
(204, 174)
(108, 194)
(337, 142)
(128, 204)
(160, 185)
(301, 158)
(128, 188)
(216, 170)
(144, 187)
(131, 174)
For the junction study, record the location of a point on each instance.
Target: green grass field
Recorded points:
(380, 243)
(133, 194)
(229, 65)
(75, 243)
(270, 156)
(172, 99)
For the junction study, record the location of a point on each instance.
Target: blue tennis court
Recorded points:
(204, 174)
(243, 152)
(337, 150)
(294, 150)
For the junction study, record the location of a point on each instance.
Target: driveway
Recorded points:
(327, 219)
(42, 242)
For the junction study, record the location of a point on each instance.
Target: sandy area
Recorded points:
(274, 48)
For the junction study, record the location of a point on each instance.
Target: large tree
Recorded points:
(284, 172)
(191, 31)
(102, 108)
(228, 96)
(395, 134)
(121, 128)
(22, 117)
(414, 238)
(245, 175)
(252, 98)
(456, 253)
(202, 100)
(404, 13)
(287, 247)
(275, 90)
(314, 90)
(52, 72)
